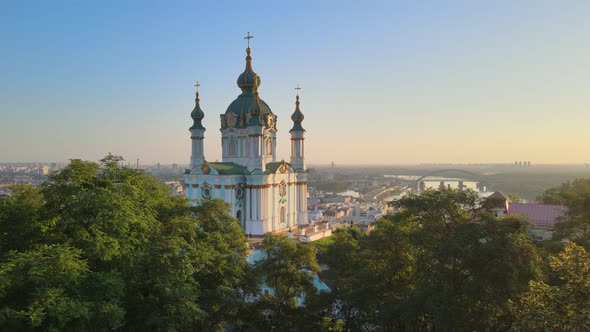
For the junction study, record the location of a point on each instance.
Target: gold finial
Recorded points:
(248, 37)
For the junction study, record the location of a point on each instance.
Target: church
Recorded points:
(265, 195)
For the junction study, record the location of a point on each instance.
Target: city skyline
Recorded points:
(383, 83)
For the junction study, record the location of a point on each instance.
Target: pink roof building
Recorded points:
(541, 215)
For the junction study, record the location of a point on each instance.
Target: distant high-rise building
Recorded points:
(265, 195)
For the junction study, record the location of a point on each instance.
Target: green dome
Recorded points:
(297, 117)
(240, 112)
(197, 114)
(242, 105)
(248, 80)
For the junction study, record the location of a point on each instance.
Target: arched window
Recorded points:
(232, 147)
(269, 146)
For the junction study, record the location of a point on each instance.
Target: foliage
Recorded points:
(52, 288)
(288, 269)
(564, 306)
(18, 218)
(102, 247)
(514, 198)
(575, 225)
(441, 263)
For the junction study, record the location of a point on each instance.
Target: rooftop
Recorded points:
(541, 215)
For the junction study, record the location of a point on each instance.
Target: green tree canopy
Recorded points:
(288, 269)
(563, 305)
(102, 247)
(441, 263)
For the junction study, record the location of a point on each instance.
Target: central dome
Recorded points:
(239, 109)
(248, 81)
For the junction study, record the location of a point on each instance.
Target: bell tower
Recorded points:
(297, 137)
(197, 133)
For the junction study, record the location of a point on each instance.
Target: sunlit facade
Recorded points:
(266, 195)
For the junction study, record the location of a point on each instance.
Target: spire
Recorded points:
(197, 114)
(297, 116)
(248, 81)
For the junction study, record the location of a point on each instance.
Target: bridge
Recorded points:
(380, 193)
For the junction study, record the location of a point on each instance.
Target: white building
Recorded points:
(266, 195)
(365, 215)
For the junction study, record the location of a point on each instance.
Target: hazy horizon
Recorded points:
(384, 83)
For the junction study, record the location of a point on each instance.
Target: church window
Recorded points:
(232, 147)
(283, 216)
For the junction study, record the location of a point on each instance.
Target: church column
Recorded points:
(263, 206)
(258, 204)
(290, 206)
(274, 150)
(223, 147)
(254, 205)
(248, 203)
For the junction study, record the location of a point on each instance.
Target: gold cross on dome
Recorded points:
(298, 88)
(248, 37)
(197, 85)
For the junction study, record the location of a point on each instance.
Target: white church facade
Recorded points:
(265, 195)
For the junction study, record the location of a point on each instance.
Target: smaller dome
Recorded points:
(197, 114)
(297, 117)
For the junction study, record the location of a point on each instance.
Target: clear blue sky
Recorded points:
(383, 81)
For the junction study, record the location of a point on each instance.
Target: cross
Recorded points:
(197, 85)
(248, 37)
(298, 88)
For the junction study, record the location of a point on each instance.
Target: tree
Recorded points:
(466, 279)
(563, 306)
(514, 198)
(575, 225)
(441, 263)
(288, 269)
(52, 289)
(18, 218)
(102, 246)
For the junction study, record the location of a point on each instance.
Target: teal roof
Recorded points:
(297, 117)
(272, 167)
(248, 80)
(228, 168)
(242, 106)
(247, 105)
(197, 114)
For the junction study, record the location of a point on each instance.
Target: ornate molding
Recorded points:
(205, 169)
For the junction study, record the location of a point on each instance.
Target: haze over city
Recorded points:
(383, 82)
